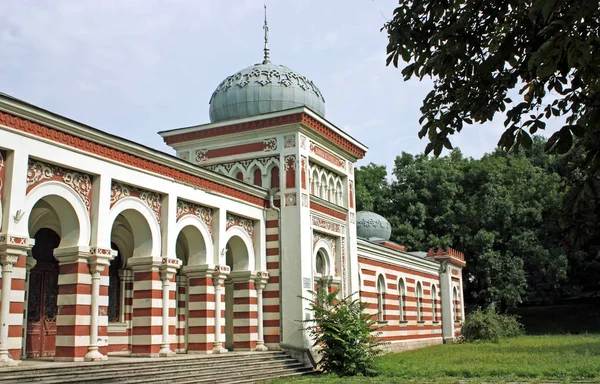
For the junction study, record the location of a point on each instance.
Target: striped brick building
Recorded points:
(111, 248)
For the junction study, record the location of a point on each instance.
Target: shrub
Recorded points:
(346, 336)
(489, 325)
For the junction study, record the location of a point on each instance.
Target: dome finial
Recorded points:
(266, 28)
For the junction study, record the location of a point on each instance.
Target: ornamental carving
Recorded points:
(39, 172)
(289, 141)
(245, 224)
(185, 155)
(205, 214)
(267, 76)
(151, 199)
(289, 163)
(325, 224)
(112, 154)
(303, 170)
(201, 155)
(330, 240)
(270, 145)
(290, 199)
(352, 218)
(330, 157)
(302, 142)
(344, 284)
(304, 197)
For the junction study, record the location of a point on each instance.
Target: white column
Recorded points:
(7, 262)
(166, 274)
(219, 276)
(93, 354)
(260, 282)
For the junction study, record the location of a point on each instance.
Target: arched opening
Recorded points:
(275, 177)
(237, 258)
(402, 300)
(258, 177)
(434, 317)
(191, 250)
(331, 191)
(339, 193)
(419, 298)
(42, 295)
(55, 221)
(130, 237)
(380, 298)
(239, 175)
(115, 288)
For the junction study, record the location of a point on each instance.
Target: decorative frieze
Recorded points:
(246, 225)
(320, 222)
(263, 163)
(151, 199)
(39, 172)
(267, 145)
(327, 211)
(205, 214)
(326, 155)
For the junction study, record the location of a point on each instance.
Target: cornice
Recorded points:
(23, 117)
(389, 255)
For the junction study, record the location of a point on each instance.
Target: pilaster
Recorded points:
(201, 309)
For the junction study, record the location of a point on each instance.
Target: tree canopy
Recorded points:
(479, 50)
(503, 211)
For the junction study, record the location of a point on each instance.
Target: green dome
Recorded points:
(372, 226)
(263, 88)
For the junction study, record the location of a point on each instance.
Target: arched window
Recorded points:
(455, 304)
(419, 297)
(258, 177)
(314, 183)
(321, 272)
(434, 303)
(275, 177)
(380, 298)
(239, 175)
(402, 300)
(339, 193)
(323, 192)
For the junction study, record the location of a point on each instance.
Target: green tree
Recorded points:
(479, 50)
(345, 335)
(372, 189)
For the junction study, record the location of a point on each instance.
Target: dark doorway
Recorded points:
(42, 296)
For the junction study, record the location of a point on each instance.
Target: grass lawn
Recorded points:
(536, 359)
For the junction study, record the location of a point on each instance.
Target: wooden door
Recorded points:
(42, 305)
(41, 310)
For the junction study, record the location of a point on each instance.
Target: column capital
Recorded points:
(220, 273)
(7, 261)
(100, 258)
(168, 268)
(15, 244)
(260, 279)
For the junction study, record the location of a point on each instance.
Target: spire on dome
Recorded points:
(266, 28)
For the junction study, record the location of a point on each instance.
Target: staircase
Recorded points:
(254, 367)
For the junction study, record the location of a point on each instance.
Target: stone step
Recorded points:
(227, 368)
(198, 371)
(119, 366)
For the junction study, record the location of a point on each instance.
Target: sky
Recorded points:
(136, 67)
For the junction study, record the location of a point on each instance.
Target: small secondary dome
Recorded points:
(263, 88)
(372, 226)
